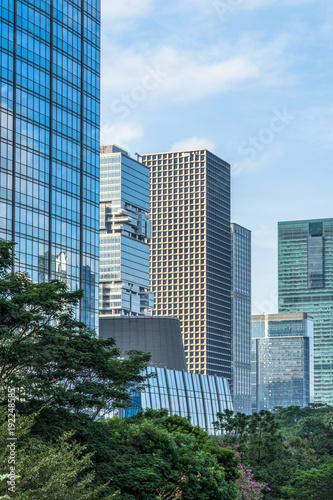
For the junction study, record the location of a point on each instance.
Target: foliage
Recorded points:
(283, 449)
(38, 470)
(158, 454)
(314, 424)
(52, 359)
(312, 484)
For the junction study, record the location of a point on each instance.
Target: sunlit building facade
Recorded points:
(306, 285)
(191, 253)
(282, 361)
(125, 233)
(49, 104)
(241, 318)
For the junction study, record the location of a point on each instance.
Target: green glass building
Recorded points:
(306, 285)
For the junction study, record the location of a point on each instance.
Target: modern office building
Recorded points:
(199, 397)
(49, 147)
(306, 285)
(282, 360)
(241, 318)
(124, 235)
(191, 253)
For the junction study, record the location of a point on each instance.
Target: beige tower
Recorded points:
(191, 253)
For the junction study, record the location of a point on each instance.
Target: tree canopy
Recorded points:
(51, 358)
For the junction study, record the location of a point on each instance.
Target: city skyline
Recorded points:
(247, 80)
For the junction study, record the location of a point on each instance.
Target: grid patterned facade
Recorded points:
(50, 141)
(190, 253)
(282, 361)
(125, 233)
(241, 318)
(306, 284)
(198, 397)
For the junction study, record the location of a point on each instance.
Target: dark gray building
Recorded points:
(241, 318)
(159, 336)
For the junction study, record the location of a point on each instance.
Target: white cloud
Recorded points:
(224, 7)
(122, 9)
(192, 75)
(194, 143)
(120, 133)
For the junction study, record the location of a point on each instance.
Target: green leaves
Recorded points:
(155, 453)
(58, 471)
(51, 358)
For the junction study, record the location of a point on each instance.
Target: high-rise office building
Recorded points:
(282, 360)
(124, 235)
(306, 285)
(50, 141)
(241, 318)
(190, 253)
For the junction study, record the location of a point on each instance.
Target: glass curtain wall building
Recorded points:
(192, 395)
(191, 253)
(50, 141)
(282, 361)
(241, 318)
(306, 284)
(124, 235)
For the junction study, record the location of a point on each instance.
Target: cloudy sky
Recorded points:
(250, 80)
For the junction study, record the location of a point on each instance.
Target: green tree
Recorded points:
(52, 359)
(157, 454)
(313, 484)
(61, 471)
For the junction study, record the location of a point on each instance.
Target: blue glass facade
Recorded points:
(241, 318)
(306, 284)
(199, 397)
(124, 235)
(282, 372)
(50, 141)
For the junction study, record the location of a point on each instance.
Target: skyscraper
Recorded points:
(306, 284)
(281, 360)
(124, 235)
(50, 141)
(241, 318)
(190, 253)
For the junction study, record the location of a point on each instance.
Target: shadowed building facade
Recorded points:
(191, 253)
(241, 318)
(49, 105)
(306, 284)
(160, 337)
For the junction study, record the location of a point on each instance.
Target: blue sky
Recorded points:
(250, 80)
